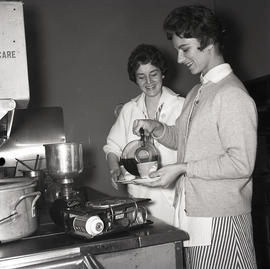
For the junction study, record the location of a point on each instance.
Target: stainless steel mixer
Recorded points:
(64, 162)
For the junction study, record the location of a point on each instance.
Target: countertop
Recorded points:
(50, 237)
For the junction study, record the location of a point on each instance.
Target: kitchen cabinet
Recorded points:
(168, 255)
(156, 245)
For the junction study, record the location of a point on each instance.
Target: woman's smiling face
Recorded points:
(149, 79)
(190, 55)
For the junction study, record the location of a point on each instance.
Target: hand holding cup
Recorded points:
(146, 168)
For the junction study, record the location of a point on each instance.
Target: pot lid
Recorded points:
(18, 182)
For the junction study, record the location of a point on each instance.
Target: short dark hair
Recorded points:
(144, 54)
(195, 21)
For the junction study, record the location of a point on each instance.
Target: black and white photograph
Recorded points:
(134, 134)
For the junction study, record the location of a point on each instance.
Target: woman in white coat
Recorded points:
(147, 68)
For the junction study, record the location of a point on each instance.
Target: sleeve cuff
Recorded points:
(108, 151)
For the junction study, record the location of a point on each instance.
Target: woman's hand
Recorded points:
(115, 174)
(114, 167)
(149, 127)
(168, 175)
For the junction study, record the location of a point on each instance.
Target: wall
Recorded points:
(248, 24)
(77, 56)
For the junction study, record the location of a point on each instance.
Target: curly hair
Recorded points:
(144, 54)
(195, 21)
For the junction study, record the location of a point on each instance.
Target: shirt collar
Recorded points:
(216, 74)
(167, 97)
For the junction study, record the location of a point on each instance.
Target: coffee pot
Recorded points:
(139, 151)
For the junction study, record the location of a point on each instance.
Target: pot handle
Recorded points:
(33, 206)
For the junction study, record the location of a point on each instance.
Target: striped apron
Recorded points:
(231, 247)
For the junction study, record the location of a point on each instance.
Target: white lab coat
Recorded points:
(121, 134)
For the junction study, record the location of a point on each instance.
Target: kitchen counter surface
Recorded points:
(50, 237)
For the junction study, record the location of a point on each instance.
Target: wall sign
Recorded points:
(7, 54)
(13, 60)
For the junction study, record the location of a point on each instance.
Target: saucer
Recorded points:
(138, 180)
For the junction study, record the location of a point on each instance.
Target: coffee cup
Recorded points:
(147, 168)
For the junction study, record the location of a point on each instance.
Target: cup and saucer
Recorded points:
(144, 169)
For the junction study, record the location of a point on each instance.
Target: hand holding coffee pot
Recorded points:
(150, 127)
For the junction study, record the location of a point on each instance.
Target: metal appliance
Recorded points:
(64, 162)
(89, 219)
(32, 128)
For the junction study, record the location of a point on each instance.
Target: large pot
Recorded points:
(17, 208)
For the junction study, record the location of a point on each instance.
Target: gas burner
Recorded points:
(100, 217)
